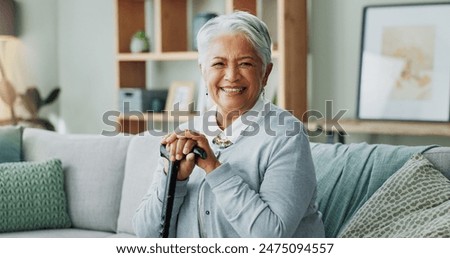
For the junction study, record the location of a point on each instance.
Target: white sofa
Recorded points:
(106, 178)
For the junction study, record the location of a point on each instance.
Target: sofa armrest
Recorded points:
(440, 158)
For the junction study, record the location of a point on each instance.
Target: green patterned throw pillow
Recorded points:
(414, 202)
(32, 196)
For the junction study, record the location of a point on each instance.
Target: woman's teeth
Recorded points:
(232, 90)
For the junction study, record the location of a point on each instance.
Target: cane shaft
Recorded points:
(169, 193)
(169, 197)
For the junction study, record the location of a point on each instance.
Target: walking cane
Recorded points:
(169, 192)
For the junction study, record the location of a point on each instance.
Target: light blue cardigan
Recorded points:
(265, 187)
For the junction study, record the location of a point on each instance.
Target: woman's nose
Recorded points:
(232, 74)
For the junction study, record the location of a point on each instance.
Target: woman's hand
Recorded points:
(180, 146)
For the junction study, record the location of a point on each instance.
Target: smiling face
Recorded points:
(234, 73)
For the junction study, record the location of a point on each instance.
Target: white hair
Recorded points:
(240, 22)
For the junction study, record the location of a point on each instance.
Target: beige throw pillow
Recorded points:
(414, 202)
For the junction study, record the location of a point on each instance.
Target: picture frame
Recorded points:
(405, 63)
(181, 96)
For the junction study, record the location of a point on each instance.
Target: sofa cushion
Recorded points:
(348, 174)
(440, 158)
(32, 196)
(11, 143)
(142, 158)
(414, 202)
(93, 167)
(58, 233)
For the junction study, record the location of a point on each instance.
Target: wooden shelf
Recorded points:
(157, 117)
(383, 127)
(167, 56)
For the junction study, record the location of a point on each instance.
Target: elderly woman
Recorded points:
(258, 178)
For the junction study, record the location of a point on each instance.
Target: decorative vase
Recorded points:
(139, 42)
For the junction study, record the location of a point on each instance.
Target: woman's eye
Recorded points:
(218, 64)
(246, 64)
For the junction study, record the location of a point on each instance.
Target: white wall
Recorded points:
(37, 31)
(31, 59)
(86, 63)
(335, 38)
(70, 44)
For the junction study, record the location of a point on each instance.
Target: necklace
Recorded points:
(222, 142)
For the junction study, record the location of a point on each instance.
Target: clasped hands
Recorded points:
(180, 146)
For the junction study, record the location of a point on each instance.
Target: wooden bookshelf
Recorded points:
(170, 33)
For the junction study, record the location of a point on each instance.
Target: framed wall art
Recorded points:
(405, 63)
(181, 96)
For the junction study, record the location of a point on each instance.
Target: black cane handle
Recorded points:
(199, 152)
(169, 192)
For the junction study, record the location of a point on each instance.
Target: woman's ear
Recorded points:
(267, 73)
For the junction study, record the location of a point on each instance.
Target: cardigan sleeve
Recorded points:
(147, 219)
(285, 193)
